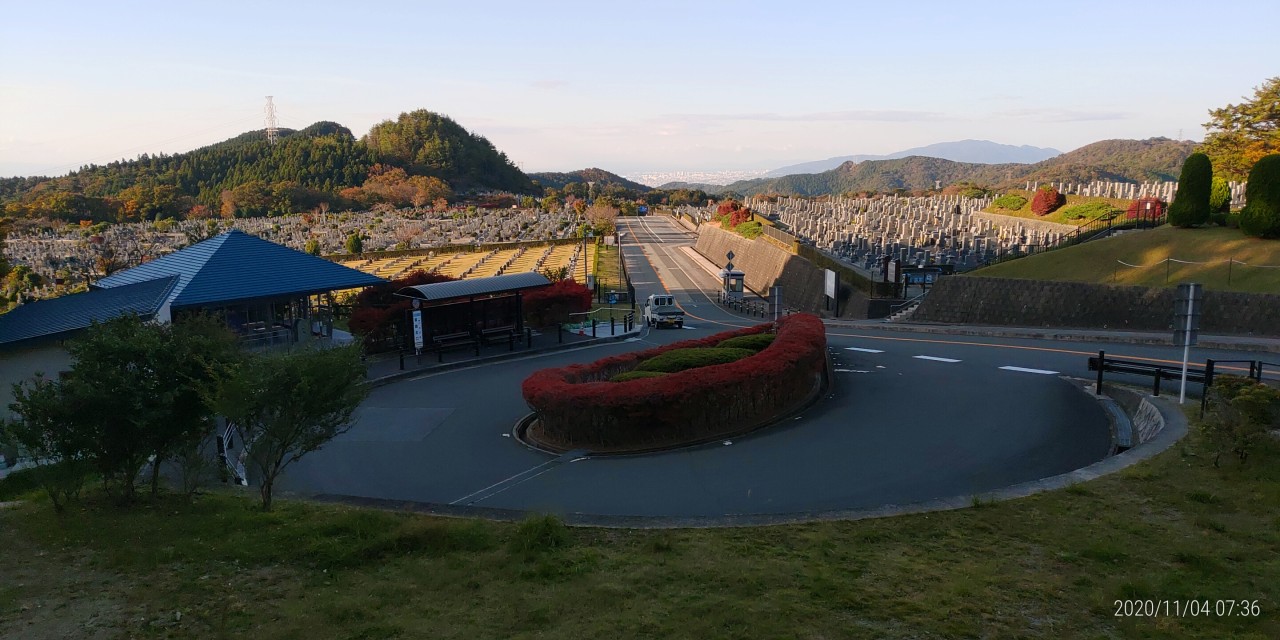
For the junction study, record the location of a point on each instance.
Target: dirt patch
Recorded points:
(48, 596)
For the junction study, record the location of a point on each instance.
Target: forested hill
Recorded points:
(557, 180)
(419, 157)
(1116, 160)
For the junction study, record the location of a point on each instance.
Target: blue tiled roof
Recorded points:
(236, 266)
(50, 318)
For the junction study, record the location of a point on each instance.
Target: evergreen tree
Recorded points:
(1190, 205)
(355, 244)
(1261, 214)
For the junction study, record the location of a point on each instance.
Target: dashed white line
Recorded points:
(935, 358)
(863, 350)
(1045, 372)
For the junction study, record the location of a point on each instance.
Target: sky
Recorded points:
(627, 87)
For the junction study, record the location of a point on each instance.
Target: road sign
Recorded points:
(729, 255)
(417, 329)
(613, 298)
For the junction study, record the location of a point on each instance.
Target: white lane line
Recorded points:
(935, 358)
(1045, 372)
(863, 350)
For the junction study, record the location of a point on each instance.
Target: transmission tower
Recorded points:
(272, 125)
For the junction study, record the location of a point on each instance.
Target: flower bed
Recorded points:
(577, 406)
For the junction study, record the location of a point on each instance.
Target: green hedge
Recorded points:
(1011, 202)
(754, 342)
(636, 375)
(681, 359)
(1089, 210)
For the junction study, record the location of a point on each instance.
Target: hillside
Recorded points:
(300, 171)
(1098, 261)
(1117, 160)
(975, 151)
(556, 180)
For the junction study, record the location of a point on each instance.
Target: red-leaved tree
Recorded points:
(1047, 200)
(376, 309)
(553, 304)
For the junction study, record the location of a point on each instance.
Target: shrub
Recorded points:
(755, 342)
(1261, 214)
(1190, 205)
(636, 375)
(1138, 208)
(574, 408)
(1011, 202)
(750, 230)
(681, 359)
(376, 309)
(1089, 210)
(539, 534)
(1241, 412)
(1220, 196)
(1047, 200)
(553, 304)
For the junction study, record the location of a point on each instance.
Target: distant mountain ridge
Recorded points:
(1155, 159)
(557, 180)
(970, 151)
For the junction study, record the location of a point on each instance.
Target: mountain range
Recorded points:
(1154, 159)
(557, 180)
(973, 151)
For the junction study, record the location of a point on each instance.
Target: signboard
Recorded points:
(417, 329)
(613, 297)
(891, 271)
(830, 283)
(642, 209)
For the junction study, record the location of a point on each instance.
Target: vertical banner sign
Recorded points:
(417, 329)
(831, 284)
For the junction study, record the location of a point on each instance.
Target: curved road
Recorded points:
(908, 419)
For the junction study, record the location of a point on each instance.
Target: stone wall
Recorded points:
(1035, 303)
(765, 265)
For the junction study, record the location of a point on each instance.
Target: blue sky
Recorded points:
(624, 86)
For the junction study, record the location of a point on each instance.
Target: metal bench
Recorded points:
(450, 341)
(496, 334)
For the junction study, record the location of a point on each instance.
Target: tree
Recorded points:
(1261, 214)
(1220, 196)
(354, 244)
(286, 405)
(1239, 135)
(1190, 206)
(45, 429)
(312, 247)
(602, 217)
(1047, 200)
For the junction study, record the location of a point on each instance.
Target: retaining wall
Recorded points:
(1035, 303)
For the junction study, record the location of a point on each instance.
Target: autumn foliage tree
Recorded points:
(377, 309)
(1145, 208)
(552, 304)
(1240, 135)
(1047, 200)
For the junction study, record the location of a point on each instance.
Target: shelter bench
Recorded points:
(497, 334)
(449, 341)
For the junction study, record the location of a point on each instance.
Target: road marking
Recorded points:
(1025, 370)
(935, 358)
(851, 371)
(863, 350)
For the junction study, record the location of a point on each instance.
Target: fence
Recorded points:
(1098, 227)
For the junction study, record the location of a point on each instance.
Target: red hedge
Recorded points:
(1046, 201)
(376, 309)
(1138, 208)
(553, 304)
(578, 406)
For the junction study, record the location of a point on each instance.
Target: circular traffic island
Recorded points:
(680, 394)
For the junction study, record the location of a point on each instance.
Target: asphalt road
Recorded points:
(909, 418)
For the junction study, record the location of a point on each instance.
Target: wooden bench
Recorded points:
(449, 341)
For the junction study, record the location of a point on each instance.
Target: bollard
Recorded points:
(1156, 390)
(1102, 357)
(611, 331)
(593, 327)
(560, 333)
(402, 359)
(528, 338)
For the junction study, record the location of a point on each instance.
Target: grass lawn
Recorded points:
(1049, 566)
(1063, 214)
(1096, 261)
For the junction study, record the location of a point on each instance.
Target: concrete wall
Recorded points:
(765, 265)
(1034, 303)
(20, 365)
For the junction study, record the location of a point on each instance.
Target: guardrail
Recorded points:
(1159, 372)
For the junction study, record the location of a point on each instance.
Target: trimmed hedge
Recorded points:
(1261, 214)
(576, 405)
(1047, 200)
(636, 375)
(1011, 202)
(755, 342)
(1190, 206)
(681, 359)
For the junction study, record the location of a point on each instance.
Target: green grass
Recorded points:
(1096, 261)
(1068, 213)
(1049, 566)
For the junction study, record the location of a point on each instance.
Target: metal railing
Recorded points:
(1096, 228)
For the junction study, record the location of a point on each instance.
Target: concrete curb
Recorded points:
(1229, 343)
(510, 355)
